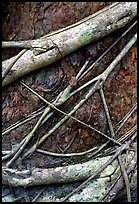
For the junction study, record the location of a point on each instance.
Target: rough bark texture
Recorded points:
(31, 20)
(120, 89)
(62, 43)
(74, 173)
(64, 174)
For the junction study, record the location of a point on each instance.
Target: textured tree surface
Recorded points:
(55, 46)
(31, 20)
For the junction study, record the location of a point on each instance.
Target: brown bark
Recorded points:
(53, 47)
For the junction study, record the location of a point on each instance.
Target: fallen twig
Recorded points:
(90, 92)
(38, 195)
(104, 53)
(54, 107)
(123, 171)
(102, 76)
(118, 152)
(23, 121)
(119, 184)
(61, 98)
(12, 63)
(105, 74)
(124, 120)
(66, 154)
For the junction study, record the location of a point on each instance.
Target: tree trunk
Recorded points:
(52, 47)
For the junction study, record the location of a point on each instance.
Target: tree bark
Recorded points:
(70, 174)
(52, 47)
(64, 174)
